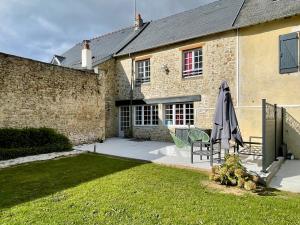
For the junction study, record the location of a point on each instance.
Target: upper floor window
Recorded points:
(146, 115)
(192, 62)
(179, 114)
(143, 71)
(289, 55)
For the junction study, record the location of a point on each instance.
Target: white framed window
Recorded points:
(143, 71)
(192, 62)
(124, 118)
(146, 115)
(180, 114)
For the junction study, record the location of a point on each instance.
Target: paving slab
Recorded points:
(159, 152)
(288, 177)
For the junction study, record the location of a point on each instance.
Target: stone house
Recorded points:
(164, 74)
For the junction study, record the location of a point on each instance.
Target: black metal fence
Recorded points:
(272, 132)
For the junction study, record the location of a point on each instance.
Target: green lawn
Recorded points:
(94, 189)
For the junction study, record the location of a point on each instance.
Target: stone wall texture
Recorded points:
(107, 70)
(219, 63)
(36, 94)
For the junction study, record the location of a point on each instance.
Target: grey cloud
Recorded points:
(39, 29)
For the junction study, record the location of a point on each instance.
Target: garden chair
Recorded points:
(202, 146)
(179, 142)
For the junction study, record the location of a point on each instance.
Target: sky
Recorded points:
(39, 29)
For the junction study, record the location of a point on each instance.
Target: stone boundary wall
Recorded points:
(37, 94)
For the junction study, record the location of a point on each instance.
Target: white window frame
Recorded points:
(193, 72)
(143, 116)
(174, 115)
(145, 76)
(124, 115)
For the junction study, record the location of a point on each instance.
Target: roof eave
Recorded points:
(267, 21)
(175, 42)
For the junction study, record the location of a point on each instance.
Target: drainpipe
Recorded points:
(237, 69)
(131, 96)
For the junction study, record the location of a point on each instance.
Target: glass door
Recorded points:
(124, 120)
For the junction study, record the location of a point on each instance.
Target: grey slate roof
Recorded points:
(208, 19)
(213, 18)
(103, 47)
(260, 11)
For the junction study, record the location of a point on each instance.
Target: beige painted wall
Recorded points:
(260, 77)
(219, 63)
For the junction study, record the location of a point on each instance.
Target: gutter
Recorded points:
(238, 57)
(237, 68)
(131, 96)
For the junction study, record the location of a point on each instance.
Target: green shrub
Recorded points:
(16, 143)
(232, 173)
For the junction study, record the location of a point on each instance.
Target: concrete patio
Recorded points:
(159, 152)
(288, 177)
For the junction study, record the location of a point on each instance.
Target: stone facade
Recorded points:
(108, 72)
(219, 63)
(36, 94)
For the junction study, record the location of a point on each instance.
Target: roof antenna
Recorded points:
(134, 9)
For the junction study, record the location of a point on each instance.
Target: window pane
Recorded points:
(138, 115)
(192, 64)
(155, 115)
(147, 115)
(143, 71)
(124, 118)
(183, 114)
(189, 114)
(179, 120)
(169, 114)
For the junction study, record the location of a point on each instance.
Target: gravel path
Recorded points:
(34, 158)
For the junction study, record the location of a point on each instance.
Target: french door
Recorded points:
(124, 120)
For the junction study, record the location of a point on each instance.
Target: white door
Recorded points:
(124, 120)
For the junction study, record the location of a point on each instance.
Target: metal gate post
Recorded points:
(275, 116)
(264, 135)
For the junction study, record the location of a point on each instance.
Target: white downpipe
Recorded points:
(237, 69)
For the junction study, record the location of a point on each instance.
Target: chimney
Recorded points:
(86, 55)
(138, 22)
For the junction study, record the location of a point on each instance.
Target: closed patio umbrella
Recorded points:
(225, 126)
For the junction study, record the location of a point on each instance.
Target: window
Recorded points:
(192, 62)
(143, 71)
(146, 115)
(289, 58)
(179, 114)
(124, 118)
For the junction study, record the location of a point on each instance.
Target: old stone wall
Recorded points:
(108, 71)
(36, 94)
(219, 63)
